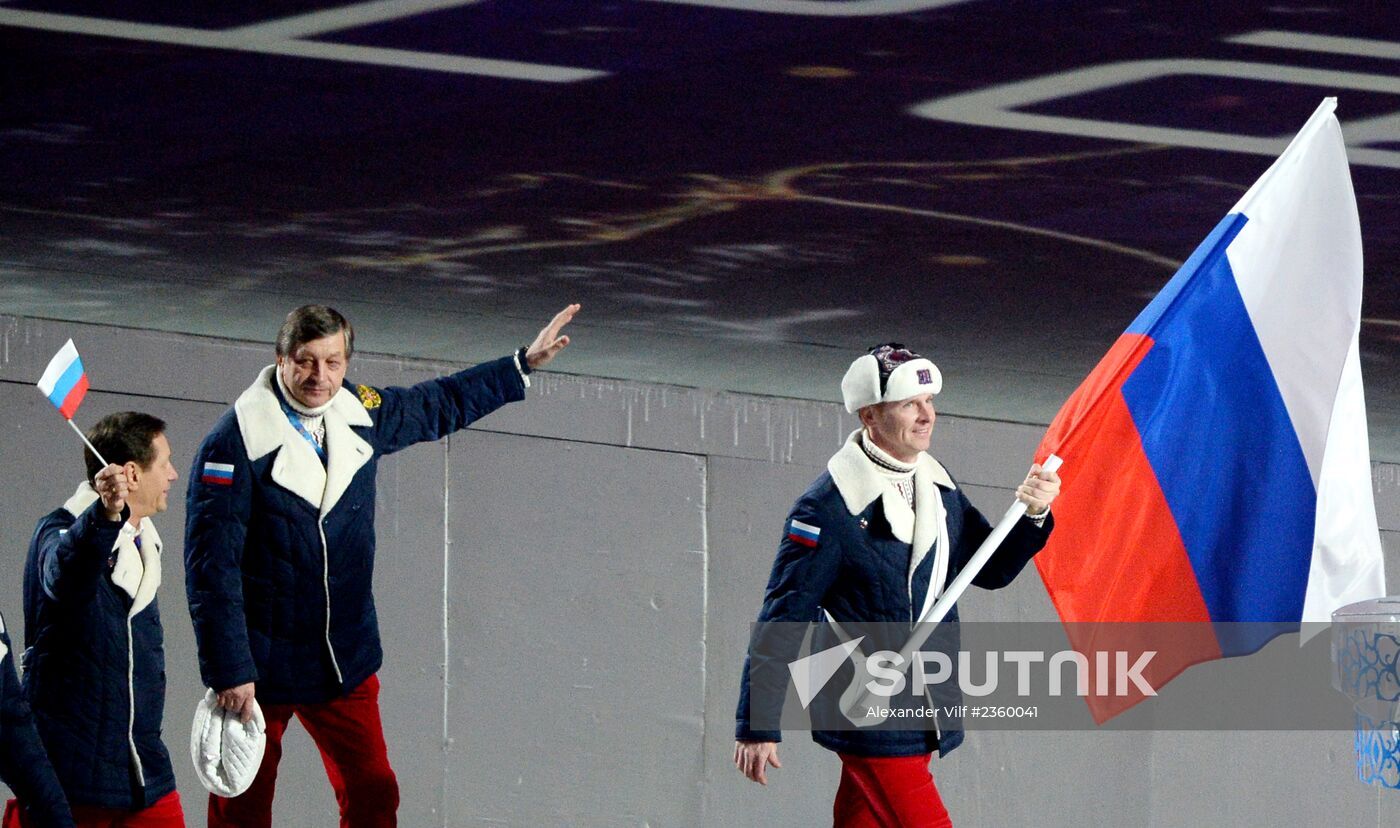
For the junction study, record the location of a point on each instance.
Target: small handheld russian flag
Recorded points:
(65, 383)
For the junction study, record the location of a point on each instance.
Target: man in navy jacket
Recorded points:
(94, 659)
(279, 547)
(866, 543)
(23, 764)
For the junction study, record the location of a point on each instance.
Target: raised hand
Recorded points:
(112, 487)
(549, 342)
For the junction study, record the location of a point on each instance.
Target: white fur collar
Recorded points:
(297, 469)
(860, 482)
(4, 651)
(84, 497)
(136, 571)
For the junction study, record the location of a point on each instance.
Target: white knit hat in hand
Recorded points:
(226, 751)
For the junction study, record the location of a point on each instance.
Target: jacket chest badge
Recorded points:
(864, 524)
(369, 398)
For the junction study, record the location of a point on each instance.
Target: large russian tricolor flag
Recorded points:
(1216, 461)
(65, 382)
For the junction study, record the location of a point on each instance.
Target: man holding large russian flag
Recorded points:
(877, 539)
(1217, 467)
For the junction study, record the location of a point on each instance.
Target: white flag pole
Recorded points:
(84, 438)
(857, 701)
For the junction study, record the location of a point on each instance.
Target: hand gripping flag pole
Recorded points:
(65, 383)
(858, 702)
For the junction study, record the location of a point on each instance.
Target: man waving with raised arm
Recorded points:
(279, 548)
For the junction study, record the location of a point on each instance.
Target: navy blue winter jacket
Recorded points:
(24, 765)
(279, 546)
(857, 570)
(95, 660)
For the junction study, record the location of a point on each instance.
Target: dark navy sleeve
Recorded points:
(434, 409)
(24, 765)
(1020, 545)
(72, 559)
(803, 571)
(217, 510)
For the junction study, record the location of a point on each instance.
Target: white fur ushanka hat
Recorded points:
(888, 373)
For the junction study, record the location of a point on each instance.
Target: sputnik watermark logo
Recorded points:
(811, 673)
(1031, 676)
(882, 673)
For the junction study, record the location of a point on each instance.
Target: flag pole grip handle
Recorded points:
(974, 565)
(929, 622)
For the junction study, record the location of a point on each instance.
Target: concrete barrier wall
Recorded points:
(565, 592)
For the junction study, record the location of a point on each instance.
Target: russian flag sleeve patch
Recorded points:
(803, 533)
(220, 474)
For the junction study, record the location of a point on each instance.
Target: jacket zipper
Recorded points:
(131, 706)
(326, 584)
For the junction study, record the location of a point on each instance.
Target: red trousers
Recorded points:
(163, 813)
(888, 792)
(350, 736)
